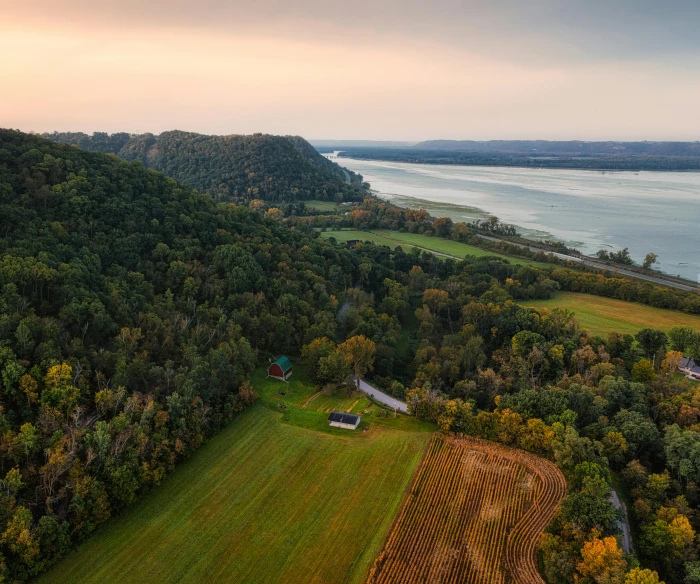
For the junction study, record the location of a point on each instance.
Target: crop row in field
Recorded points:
(475, 514)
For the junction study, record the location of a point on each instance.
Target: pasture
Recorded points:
(323, 206)
(603, 315)
(475, 514)
(448, 247)
(408, 241)
(277, 496)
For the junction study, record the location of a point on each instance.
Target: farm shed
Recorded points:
(280, 369)
(341, 420)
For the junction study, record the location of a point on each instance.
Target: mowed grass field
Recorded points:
(407, 241)
(278, 496)
(449, 247)
(325, 206)
(603, 315)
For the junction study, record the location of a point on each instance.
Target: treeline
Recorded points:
(132, 310)
(488, 367)
(233, 168)
(570, 276)
(566, 147)
(631, 162)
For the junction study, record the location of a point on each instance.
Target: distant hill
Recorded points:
(568, 148)
(633, 156)
(330, 145)
(234, 168)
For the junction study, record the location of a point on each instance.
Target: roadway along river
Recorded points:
(647, 211)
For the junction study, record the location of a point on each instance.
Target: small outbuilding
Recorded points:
(342, 420)
(280, 369)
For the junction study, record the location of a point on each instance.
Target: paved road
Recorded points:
(347, 176)
(602, 266)
(380, 396)
(622, 524)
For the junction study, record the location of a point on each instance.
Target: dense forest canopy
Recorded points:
(132, 310)
(233, 168)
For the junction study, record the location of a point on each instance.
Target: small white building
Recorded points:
(342, 420)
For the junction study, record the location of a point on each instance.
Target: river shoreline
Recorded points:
(647, 211)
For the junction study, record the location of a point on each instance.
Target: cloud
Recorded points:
(540, 29)
(383, 70)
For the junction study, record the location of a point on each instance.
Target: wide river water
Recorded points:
(644, 211)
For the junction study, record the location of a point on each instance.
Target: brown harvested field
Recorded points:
(475, 514)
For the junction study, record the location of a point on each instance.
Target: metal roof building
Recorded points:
(280, 369)
(343, 420)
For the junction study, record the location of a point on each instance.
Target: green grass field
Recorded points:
(603, 315)
(278, 496)
(407, 241)
(325, 206)
(348, 234)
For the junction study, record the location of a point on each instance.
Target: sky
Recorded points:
(367, 69)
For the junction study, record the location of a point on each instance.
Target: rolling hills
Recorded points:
(233, 168)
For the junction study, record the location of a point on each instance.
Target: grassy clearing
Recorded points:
(344, 235)
(449, 247)
(324, 206)
(408, 241)
(603, 315)
(278, 496)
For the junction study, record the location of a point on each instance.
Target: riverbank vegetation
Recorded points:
(541, 159)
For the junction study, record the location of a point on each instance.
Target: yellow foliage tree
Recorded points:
(602, 562)
(639, 576)
(358, 352)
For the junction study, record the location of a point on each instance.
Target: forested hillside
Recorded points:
(232, 168)
(131, 311)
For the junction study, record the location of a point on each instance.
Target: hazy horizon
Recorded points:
(389, 70)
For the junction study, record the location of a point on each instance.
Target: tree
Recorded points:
(602, 562)
(590, 507)
(683, 338)
(315, 351)
(651, 341)
(614, 448)
(20, 539)
(358, 352)
(274, 214)
(643, 371)
(640, 576)
(649, 260)
(443, 227)
(28, 437)
(332, 369)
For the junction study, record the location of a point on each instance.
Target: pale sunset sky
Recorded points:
(365, 69)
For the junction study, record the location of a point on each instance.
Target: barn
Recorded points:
(342, 420)
(280, 369)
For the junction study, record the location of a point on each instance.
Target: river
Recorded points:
(644, 211)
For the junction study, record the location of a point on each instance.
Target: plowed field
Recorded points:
(474, 514)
